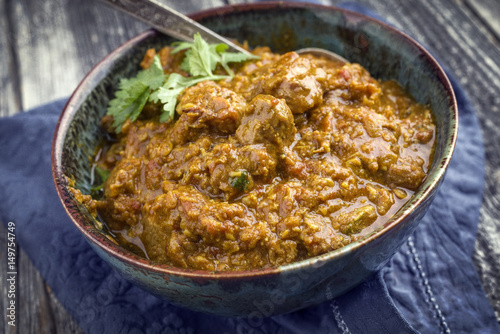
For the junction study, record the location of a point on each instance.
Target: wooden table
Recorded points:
(47, 46)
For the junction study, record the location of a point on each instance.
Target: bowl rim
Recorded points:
(96, 74)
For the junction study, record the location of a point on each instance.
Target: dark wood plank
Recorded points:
(488, 11)
(9, 101)
(45, 51)
(34, 310)
(63, 321)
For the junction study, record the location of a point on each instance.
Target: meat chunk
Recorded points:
(225, 159)
(319, 236)
(148, 58)
(354, 81)
(267, 119)
(208, 105)
(295, 79)
(352, 222)
(407, 173)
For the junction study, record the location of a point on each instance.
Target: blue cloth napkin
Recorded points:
(429, 286)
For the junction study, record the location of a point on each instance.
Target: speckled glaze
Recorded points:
(384, 51)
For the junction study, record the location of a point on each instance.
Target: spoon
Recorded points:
(181, 27)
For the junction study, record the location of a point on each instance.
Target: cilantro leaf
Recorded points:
(180, 46)
(153, 76)
(233, 57)
(128, 102)
(168, 93)
(200, 60)
(134, 93)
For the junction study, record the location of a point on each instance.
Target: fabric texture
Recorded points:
(429, 286)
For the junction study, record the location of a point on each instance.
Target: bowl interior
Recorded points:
(385, 52)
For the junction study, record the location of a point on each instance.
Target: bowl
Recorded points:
(384, 51)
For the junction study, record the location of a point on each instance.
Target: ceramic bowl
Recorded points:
(384, 51)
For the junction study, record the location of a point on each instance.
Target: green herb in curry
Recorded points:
(102, 175)
(240, 180)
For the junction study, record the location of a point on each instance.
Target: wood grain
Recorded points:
(9, 100)
(47, 46)
(488, 11)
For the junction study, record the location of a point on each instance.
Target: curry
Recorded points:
(292, 157)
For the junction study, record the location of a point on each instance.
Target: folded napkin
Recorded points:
(430, 285)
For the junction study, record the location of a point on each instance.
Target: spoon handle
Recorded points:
(169, 21)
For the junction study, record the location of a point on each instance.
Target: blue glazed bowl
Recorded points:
(384, 51)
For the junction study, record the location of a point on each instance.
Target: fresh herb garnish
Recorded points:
(240, 180)
(134, 93)
(153, 85)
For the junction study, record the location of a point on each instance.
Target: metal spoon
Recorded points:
(179, 26)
